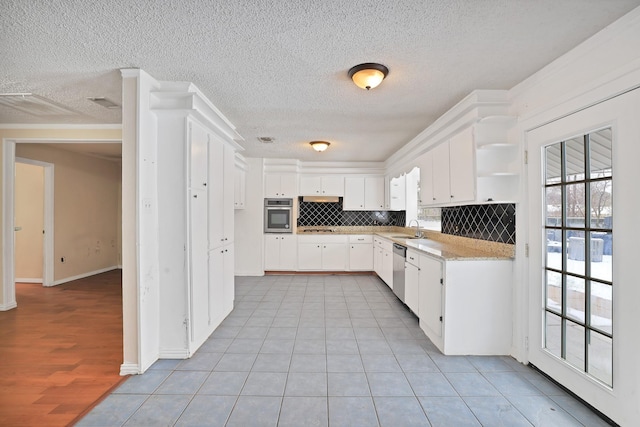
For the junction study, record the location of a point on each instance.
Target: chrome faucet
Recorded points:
(418, 232)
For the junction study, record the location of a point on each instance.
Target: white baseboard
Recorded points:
(256, 273)
(174, 353)
(129, 369)
(28, 280)
(83, 275)
(9, 306)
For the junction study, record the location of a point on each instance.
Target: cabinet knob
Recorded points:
(434, 198)
(204, 184)
(195, 196)
(451, 196)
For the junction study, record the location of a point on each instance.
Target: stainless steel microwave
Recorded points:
(278, 215)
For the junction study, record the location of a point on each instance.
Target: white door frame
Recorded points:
(48, 238)
(8, 206)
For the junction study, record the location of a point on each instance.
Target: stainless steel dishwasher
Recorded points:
(399, 256)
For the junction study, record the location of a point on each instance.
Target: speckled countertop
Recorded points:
(443, 246)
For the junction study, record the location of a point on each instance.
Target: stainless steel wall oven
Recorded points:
(278, 215)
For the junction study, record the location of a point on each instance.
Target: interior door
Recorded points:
(583, 236)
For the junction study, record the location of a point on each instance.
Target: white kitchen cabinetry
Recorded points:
(430, 296)
(280, 252)
(322, 253)
(397, 193)
(281, 185)
(412, 281)
(469, 312)
(477, 165)
(363, 194)
(383, 259)
(239, 185)
(361, 252)
(322, 185)
(195, 212)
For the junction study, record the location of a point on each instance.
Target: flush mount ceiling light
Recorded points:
(266, 139)
(319, 145)
(369, 75)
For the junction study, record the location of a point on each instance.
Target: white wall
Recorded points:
(249, 223)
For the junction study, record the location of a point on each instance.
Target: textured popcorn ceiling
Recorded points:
(279, 68)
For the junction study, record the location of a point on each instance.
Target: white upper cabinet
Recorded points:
(280, 185)
(477, 165)
(330, 185)
(397, 193)
(462, 171)
(363, 194)
(198, 139)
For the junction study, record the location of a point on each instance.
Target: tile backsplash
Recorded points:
(496, 223)
(312, 214)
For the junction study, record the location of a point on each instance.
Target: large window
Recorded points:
(578, 266)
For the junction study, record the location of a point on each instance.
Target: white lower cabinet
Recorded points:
(280, 252)
(383, 259)
(412, 281)
(322, 253)
(361, 253)
(465, 305)
(221, 283)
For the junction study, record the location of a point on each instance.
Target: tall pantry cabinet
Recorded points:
(196, 165)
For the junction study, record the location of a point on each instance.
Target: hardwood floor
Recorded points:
(60, 350)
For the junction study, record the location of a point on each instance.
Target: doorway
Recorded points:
(582, 287)
(33, 213)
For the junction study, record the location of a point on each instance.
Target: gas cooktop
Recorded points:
(318, 230)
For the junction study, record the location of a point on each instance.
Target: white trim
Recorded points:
(8, 226)
(100, 126)
(7, 307)
(65, 141)
(83, 275)
(28, 280)
(48, 225)
(174, 353)
(129, 369)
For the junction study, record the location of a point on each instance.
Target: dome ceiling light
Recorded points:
(369, 75)
(319, 145)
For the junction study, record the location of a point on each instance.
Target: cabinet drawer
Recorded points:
(360, 238)
(413, 258)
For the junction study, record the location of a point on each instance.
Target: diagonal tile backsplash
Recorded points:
(496, 223)
(331, 214)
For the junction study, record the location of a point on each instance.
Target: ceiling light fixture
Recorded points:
(369, 75)
(319, 145)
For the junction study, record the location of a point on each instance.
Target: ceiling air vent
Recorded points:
(104, 102)
(33, 104)
(266, 139)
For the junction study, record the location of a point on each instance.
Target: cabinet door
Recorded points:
(397, 193)
(216, 286)
(441, 190)
(271, 252)
(462, 171)
(374, 193)
(288, 185)
(198, 139)
(333, 185)
(239, 189)
(216, 193)
(272, 185)
(198, 268)
(310, 185)
(426, 179)
(229, 168)
(387, 267)
(334, 256)
(377, 261)
(228, 279)
(310, 256)
(353, 194)
(361, 256)
(288, 252)
(430, 295)
(412, 285)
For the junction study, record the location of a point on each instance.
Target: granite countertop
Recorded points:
(442, 246)
(448, 251)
